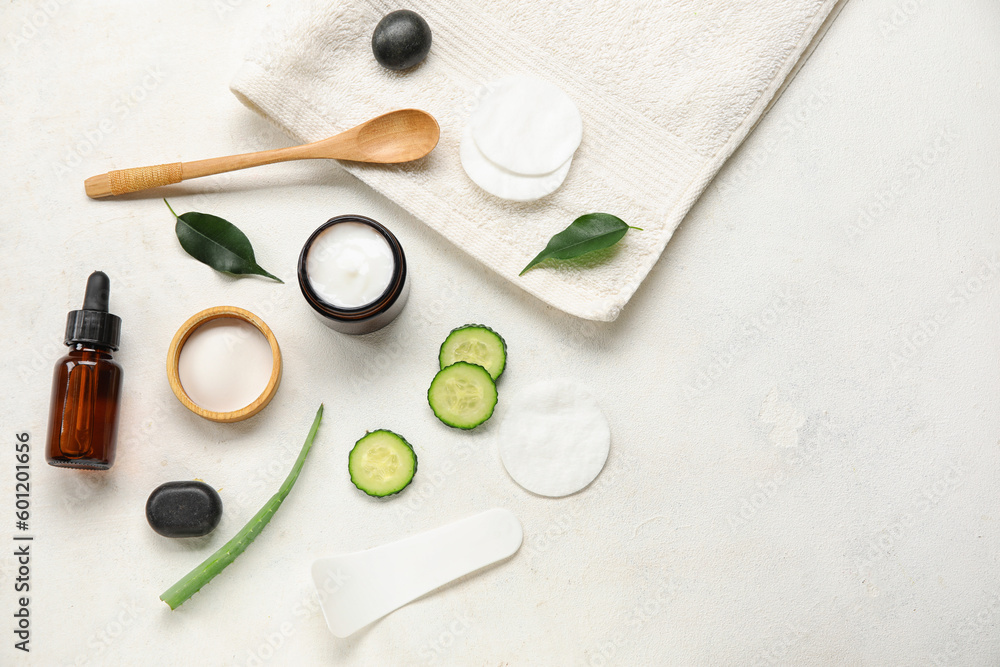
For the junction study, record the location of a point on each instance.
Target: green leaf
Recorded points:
(594, 231)
(218, 243)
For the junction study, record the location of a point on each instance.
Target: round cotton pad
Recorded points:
(526, 125)
(504, 183)
(554, 439)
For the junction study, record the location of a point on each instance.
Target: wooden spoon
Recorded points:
(398, 136)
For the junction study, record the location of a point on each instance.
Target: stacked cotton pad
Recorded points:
(520, 140)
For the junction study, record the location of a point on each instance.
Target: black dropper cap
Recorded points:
(94, 325)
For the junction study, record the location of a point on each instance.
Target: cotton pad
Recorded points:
(554, 439)
(526, 125)
(504, 183)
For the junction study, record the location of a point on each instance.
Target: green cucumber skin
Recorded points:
(389, 493)
(503, 344)
(448, 422)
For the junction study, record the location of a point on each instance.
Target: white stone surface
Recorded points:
(803, 400)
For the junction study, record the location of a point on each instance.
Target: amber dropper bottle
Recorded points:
(86, 386)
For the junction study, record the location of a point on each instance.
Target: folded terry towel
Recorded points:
(667, 90)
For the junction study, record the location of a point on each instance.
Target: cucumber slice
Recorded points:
(462, 395)
(477, 344)
(382, 463)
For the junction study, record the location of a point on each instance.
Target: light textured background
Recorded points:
(803, 398)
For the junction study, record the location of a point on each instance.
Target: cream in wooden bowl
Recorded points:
(224, 364)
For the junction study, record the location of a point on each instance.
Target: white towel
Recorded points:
(667, 89)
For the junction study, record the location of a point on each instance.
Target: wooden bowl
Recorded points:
(174, 355)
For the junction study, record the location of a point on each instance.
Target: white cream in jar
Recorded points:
(349, 265)
(225, 364)
(352, 272)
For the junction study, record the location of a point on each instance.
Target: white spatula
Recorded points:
(359, 588)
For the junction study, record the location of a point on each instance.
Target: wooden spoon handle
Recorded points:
(122, 181)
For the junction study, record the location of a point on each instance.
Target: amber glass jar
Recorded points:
(367, 317)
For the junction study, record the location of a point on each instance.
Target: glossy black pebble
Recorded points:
(401, 40)
(184, 509)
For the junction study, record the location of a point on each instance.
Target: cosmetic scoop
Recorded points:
(359, 588)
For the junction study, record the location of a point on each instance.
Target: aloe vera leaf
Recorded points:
(192, 582)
